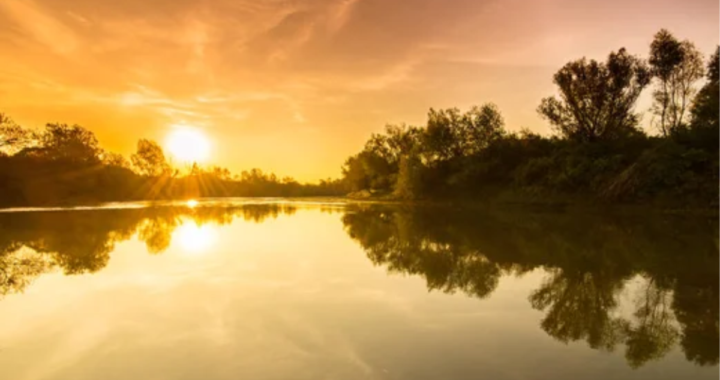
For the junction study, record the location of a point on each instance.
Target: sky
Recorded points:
(296, 86)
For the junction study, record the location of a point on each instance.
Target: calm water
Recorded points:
(332, 291)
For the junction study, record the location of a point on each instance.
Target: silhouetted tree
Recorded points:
(443, 138)
(369, 170)
(13, 138)
(704, 110)
(677, 67)
(66, 143)
(149, 159)
(114, 159)
(452, 134)
(409, 182)
(597, 99)
(394, 143)
(665, 56)
(481, 126)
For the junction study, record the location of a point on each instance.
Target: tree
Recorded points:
(481, 126)
(396, 142)
(354, 174)
(409, 181)
(368, 170)
(597, 99)
(665, 55)
(451, 134)
(221, 173)
(677, 66)
(114, 159)
(72, 143)
(13, 137)
(443, 134)
(149, 159)
(705, 108)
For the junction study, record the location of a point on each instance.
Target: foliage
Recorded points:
(677, 66)
(597, 99)
(149, 159)
(409, 182)
(65, 165)
(587, 269)
(451, 134)
(703, 131)
(13, 137)
(600, 154)
(32, 244)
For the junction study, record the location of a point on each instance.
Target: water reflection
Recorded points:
(32, 243)
(589, 260)
(195, 238)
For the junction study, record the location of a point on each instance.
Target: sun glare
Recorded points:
(188, 145)
(192, 203)
(195, 239)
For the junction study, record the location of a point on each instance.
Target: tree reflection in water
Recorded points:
(588, 259)
(80, 241)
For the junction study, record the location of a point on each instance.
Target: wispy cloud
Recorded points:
(37, 23)
(342, 68)
(339, 14)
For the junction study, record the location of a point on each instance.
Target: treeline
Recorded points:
(64, 164)
(598, 151)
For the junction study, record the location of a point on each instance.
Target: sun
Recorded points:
(188, 144)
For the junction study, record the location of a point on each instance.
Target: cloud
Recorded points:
(41, 26)
(340, 14)
(342, 68)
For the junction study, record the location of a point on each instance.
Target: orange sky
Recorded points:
(295, 86)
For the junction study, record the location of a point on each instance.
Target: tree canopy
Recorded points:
(676, 66)
(597, 99)
(149, 159)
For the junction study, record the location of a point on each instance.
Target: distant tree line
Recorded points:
(598, 151)
(64, 164)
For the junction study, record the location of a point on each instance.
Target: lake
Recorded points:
(275, 289)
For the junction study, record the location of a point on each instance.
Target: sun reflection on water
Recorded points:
(195, 239)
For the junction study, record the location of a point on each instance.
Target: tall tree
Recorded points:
(665, 55)
(149, 159)
(677, 66)
(597, 99)
(705, 108)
